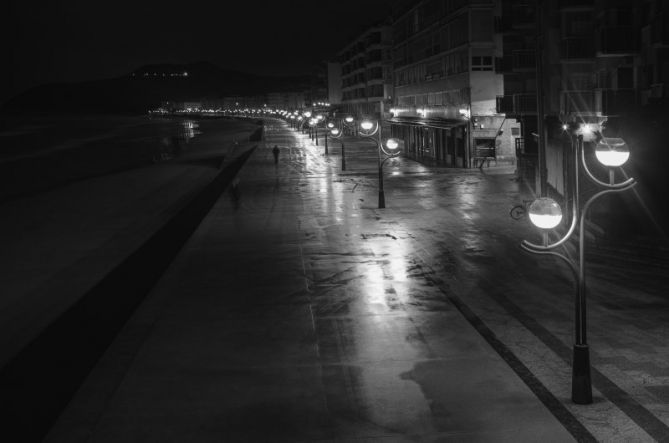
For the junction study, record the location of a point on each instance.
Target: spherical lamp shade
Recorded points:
(330, 125)
(545, 213)
(612, 152)
(349, 119)
(334, 131)
(319, 117)
(392, 147)
(307, 114)
(366, 125)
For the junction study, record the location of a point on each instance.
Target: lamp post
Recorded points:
(312, 124)
(338, 133)
(546, 214)
(390, 149)
(321, 118)
(307, 116)
(350, 121)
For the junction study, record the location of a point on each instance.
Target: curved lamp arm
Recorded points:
(570, 262)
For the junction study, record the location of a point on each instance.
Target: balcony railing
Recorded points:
(524, 60)
(524, 16)
(659, 30)
(504, 64)
(576, 4)
(517, 104)
(618, 40)
(612, 102)
(578, 103)
(577, 48)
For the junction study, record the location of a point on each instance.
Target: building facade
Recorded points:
(446, 84)
(602, 63)
(334, 83)
(366, 73)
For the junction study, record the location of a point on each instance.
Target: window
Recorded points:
(482, 63)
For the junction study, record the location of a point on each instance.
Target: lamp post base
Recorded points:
(581, 385)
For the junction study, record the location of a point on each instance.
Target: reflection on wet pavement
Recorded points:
(315, 314)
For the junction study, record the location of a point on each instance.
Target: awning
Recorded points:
(427, 123)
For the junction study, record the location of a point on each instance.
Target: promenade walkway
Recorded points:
(300, 312)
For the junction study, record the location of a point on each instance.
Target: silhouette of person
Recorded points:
(276, 151)
(234, 191)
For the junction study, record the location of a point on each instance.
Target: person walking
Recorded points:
(276, 151)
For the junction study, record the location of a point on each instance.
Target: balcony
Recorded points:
(524, 60)
(575, 48)
(578, 103)
(503, 64)
(617, 41)
(576, 4)
(659, 29)
(520, 60)
(524, 16)
(503, 25)
(517, 104)
(613, 102)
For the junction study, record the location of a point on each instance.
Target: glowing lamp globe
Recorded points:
(319, 117)
(545, 213)
(349, 119)
(391, 147)
(612, 152)
(334, 131)
(307, 114)
(366, 125)
(330, 125)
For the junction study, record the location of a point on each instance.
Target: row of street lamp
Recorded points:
(366, 128)
(545, 213)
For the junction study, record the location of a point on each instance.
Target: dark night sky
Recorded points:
(71, 40)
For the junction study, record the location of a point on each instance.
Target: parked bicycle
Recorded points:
(520, 211)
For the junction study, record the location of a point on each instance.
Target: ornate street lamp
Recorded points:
(338, 133)
(312, 124)
(546, 214)
(389, 149)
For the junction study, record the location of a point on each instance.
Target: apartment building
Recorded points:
(366, 73)
(446, 85)
(602, 62)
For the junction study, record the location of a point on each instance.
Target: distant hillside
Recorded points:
(146, 87)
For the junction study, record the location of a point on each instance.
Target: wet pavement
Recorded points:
(298, 311)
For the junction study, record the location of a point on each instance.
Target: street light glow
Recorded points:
(334, 131)
(392, 144)
(612, 152)
(545, 213)
(349, 119)
(366, 125)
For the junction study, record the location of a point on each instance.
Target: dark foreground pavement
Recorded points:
(300, 312)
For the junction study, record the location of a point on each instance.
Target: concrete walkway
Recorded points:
(302, 313)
